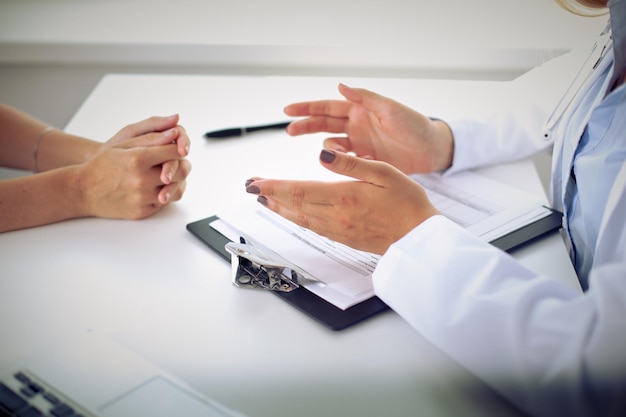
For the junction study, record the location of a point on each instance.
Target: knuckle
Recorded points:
(186, 167)
(350, 164)
(303, 221)
(145, 211)
(383, 173)
(153, 120)
(266, 188)
(297, 197)
(183, 169)
(347, 195)
(181, 190)
(137, 202)
(172, 165)
(134, 160)
(129, 128)
(178, 191)
(141, 183)
(345, 223)
(348, 200)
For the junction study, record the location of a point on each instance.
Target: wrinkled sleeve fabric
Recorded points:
(549, 348)
(511, 127)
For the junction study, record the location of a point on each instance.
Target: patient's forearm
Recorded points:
(40, 199)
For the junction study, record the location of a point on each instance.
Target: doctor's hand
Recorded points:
(378, 128)
(372, 212)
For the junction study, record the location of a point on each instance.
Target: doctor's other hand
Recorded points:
(138, 171)
(369, 213)
(377, 127)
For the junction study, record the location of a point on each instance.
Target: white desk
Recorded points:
(156, 289)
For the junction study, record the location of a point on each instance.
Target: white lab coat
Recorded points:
(550, 349)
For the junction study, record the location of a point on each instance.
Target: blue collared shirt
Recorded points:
(599, 153)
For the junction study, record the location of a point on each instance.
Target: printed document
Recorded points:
(342, 275)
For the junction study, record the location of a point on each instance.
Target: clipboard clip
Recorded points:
(253, 267)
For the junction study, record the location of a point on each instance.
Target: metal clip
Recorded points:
(256, 268)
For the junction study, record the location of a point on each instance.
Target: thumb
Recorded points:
(366, 98)
(374, 172)
(351, 94)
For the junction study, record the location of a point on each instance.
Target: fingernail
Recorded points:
(262, 199)
(169, 132)
(248, 182)
(327, 156)
(166, 198)
(253, 189)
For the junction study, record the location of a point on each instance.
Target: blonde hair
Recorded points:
(584, 7)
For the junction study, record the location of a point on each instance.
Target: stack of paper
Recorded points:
(343, 275)
(487, 208)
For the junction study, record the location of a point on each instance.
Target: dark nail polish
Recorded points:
(248, 182)
(327, 156)
(262, 199)
(253, 189)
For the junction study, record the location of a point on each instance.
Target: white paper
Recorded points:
(344, 274)
(485, 207)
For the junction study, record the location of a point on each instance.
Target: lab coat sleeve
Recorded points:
(510, 125)
(549, 348)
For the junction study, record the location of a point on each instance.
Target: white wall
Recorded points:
(53, 52)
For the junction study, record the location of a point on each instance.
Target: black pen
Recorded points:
(241, 131)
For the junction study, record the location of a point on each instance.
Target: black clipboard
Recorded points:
(530, 233)
(304, 300)
(337, 319)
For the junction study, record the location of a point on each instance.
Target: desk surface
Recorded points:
(153, 287)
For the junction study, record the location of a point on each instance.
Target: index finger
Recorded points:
(294, 194)
(332, 108)
(317, 124)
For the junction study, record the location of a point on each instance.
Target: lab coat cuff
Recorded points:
(412, 243)
(464, 156)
